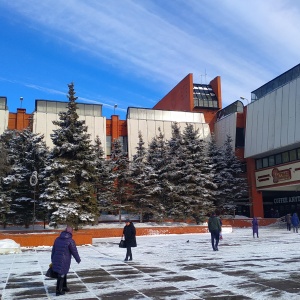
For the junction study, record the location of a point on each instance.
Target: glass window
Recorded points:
(271, 160)
(278, 159)
(108, 145)
(293, 155)
(285, 157)
(240, 139)
(124, 143)
(265, 162)
(259, 164)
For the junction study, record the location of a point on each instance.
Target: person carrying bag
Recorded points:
(129, 234)
(63, 249)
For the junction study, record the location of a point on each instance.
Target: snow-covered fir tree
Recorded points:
(197, 183)
(27, 153)
(156, 158)
(218, 163)
(104, 180)
(233, 184)
(172, 173)
(5, 199)
(141, 198)
(120, 173)
(70, 176)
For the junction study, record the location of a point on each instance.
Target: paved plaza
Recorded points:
(166, 267)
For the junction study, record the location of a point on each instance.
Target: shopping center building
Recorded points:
(265, 133)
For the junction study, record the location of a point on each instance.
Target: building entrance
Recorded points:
(279, 203)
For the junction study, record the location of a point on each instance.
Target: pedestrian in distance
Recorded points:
(255, 226)
(295, 222)
(288, 220)
(214, 227)
(129, 234)
(221, 235)
(63, 249)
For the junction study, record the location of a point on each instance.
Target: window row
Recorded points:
(277, 159)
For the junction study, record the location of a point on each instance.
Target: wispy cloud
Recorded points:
(246, 42)
(57, 92)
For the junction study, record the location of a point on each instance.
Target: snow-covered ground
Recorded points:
(166, 267)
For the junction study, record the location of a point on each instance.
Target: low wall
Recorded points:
(85, 236)
(44, 238)
(155, 230)
(241, 223)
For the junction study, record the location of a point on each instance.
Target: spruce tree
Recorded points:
(233, 185)
(104, 181)
(27, 153)
(120, 172)
(69, 192)
(141, 199)
(156, 158)
(173, 172)
(5, 199)
(197, 183)
(218, 163)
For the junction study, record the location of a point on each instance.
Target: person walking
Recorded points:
(214, 227)
(63, 248)
(295, 222)
(288, 220)
(129, 234)
(255, 226)
(221, 223)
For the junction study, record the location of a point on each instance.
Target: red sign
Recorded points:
(281, 175)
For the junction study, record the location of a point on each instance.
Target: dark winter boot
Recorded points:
(59, 285)
(65, 288)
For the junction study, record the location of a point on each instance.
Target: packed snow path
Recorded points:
(166, 267)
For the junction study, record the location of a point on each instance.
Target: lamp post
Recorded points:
(243, 98)
(33, 182)
(115, 106)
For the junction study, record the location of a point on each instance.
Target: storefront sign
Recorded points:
(284, 200)
(282, 175)
(277, 176)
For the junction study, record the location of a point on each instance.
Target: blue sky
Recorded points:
(133, 52)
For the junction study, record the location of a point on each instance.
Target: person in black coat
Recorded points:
(129, 234)
(63, 249)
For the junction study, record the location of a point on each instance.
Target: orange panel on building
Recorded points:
(19, 120)
(116, 127)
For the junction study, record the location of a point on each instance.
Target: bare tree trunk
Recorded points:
(120, 216)
(141, 216)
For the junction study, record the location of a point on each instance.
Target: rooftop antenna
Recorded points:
(203, 76)
(21, 99)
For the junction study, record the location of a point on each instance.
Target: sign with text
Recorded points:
(278, 175)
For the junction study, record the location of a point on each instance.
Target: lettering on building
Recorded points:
(291, 199)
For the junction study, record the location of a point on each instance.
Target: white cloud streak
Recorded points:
(246, 42)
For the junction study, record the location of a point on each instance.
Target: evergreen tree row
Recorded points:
(179, 179)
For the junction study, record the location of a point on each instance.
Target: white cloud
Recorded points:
(246, 42)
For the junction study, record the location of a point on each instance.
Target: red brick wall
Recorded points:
(180, 98)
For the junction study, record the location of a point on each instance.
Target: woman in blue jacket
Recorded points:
(64, 247)
(295, 222)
